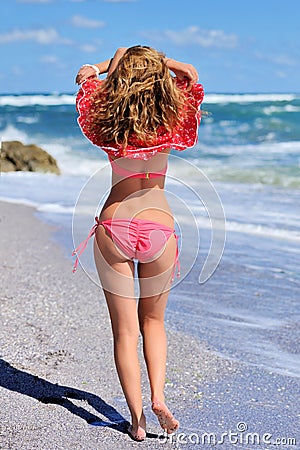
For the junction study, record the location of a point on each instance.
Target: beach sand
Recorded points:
(56, 369)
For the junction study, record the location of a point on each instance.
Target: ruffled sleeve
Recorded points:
(185, 135)
(84, 104)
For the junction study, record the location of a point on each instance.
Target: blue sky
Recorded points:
(236, 45)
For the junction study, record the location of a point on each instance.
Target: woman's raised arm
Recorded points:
(93, 70)
(117, 56)
(183, 70)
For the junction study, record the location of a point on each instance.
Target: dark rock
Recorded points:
(16, 156)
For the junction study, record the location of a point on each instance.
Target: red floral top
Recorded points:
(183, 136)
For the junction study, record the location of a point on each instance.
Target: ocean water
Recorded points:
(235, 197)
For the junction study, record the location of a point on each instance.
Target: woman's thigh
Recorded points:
(155, 277)
(116, 272)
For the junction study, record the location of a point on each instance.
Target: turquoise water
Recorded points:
(246, 138)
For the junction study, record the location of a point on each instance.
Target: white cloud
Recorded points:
(50, 59)
(280, 74)
(119, 1)
(41, 36)
(80, 21)
(284, 60)
(279, 59)
(35, 1)
(17, 71)
(194, 35)
(88, 48)
(73, 1)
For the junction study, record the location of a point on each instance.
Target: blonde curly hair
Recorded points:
(137, 98)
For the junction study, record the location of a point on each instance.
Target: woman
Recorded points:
(137, 114)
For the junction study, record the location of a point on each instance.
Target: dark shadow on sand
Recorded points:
(44, 391)
(47, 392)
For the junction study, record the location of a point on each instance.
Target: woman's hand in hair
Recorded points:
(92, 71)
(183, 71)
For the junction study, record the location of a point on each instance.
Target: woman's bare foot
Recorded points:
(165, 417)
(138, 433)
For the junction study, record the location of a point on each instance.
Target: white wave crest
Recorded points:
(280, 109)
(29, 100)
(11, 133)
(263, 230)
(69, 99)
(248, 98)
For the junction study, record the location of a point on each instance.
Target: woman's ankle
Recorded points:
(158, 398)
(138, 421)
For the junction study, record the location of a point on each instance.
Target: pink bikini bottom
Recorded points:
(139, 239)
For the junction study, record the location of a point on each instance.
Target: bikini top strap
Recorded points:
(129, 174)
